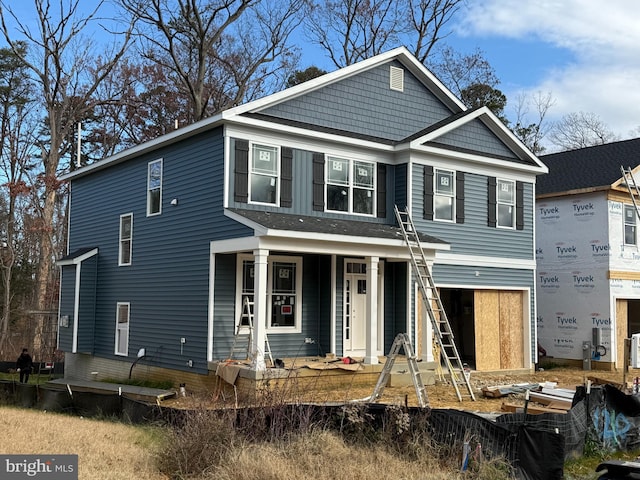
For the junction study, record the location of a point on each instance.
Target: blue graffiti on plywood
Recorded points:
(611, 427)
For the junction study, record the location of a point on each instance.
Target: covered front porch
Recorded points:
(342, 286)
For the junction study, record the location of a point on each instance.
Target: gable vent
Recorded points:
(396, 79)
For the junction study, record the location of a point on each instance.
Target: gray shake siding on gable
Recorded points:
(171, 305)
(367, 106)
(475, 136)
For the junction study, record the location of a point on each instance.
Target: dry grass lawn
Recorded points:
(106, 450)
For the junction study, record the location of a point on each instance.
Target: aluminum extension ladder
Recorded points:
(237, 347)
(401, 340)
(632, 186)
(437, 315)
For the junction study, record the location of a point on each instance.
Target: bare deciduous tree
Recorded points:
(353, 30)
(59, 58)
(580, 130)
(531, 127)
(218, 53)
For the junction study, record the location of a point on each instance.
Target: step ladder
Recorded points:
(430, 295)
(401, 341)
(632, 186)
(243, 337)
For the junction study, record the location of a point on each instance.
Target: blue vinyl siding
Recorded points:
(167, 283)
(316, 311)
(224, 301)
(474, 236)
(400, 187)
(302, 189)
(87, 307)
(67, 306)
(367, 106)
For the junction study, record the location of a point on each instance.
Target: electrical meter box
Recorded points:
(635, 350)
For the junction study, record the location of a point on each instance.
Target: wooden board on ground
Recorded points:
(548, 400)
(532, 409)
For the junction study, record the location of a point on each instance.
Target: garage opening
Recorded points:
(459, 307)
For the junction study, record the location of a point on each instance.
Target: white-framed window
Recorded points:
(350, 186)
(154, 188)
(284, 292)
(506, 203)
(444, 195)
(126, 239)
(122, 328)
(630, 232)
(264, 173)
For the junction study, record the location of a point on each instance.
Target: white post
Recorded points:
(260, 268)
(371, 358)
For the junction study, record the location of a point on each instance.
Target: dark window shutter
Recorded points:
(427, 202)
(241, 177)
(286, 177)
(318, 182)
(492, 201)
(381, 191)
(519, 206)
(459, 197)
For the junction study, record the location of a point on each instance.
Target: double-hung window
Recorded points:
(154, 188)
(506, 203)
(264, 186)
(630, 236)
(126, 239)
(444, 195)
(350, 186)
(122, 329)
(284, 292)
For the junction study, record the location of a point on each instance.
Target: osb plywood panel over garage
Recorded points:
(511, 330)
(621, 328)
(499, 330)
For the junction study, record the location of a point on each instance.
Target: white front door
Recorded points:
(355, 308)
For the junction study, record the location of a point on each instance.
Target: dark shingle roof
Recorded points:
(324, 225)
(589, 167)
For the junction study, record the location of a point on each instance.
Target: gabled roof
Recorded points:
(587, 169)
(452, 114)
(77, 256)
(430, 137)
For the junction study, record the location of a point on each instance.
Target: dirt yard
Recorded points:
(443, 395)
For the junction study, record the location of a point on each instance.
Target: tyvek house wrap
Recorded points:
(579, 240)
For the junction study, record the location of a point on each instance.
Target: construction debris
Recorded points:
(539, 397)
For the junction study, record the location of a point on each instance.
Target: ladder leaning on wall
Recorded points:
(632, 186)
(433, 306)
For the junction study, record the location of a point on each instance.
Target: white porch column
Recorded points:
(426, 326)
(371, 358)
(260, 269)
